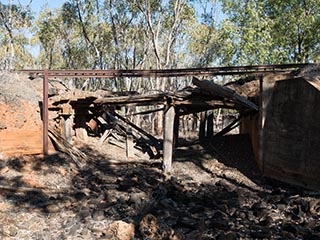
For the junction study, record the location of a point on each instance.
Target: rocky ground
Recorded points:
(214, 192)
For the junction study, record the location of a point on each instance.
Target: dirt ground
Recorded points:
(214, 192)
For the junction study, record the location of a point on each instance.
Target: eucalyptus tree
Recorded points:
(272, 31)
(296, 29)
(249, 28)
(47, 30)
(14, 23)
(208, 45)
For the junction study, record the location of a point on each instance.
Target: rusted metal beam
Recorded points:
(45, 117)
(182, 72)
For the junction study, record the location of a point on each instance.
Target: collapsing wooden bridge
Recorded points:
(75, 107)
(72, 108)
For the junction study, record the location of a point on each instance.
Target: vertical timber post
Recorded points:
(176, 129)
(169, 116)
(210, 124)
(67, 128)
(261, 118)
(129, 144)
(202, 127)
(45, 112)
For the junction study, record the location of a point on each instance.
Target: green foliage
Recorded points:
(272, 31)
(14, 23)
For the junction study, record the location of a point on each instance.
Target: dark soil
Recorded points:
(214, 192)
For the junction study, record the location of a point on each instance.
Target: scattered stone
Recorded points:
(121, 230)
(227, 236)
(151, 228)
(52, 208)
(98, 215)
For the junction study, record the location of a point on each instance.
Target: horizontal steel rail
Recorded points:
(182, 72)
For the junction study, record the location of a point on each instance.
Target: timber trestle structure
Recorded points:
(206, 96)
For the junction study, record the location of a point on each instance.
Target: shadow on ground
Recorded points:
(180, 206)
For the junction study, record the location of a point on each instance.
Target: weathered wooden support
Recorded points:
(202, 126)
(67, 123)
(210, 124)
(64, 146)
(129, 144)
(229, 128)
(104, 136)
(169, 116)
(176, 129)
(140, 130)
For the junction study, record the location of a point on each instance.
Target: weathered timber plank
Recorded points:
(229, 128)
(132, 99)
(15, 142)
(66, 147)
(202, 127)
(129, 144)
(168, 135)
(225, 92)
(152, 138)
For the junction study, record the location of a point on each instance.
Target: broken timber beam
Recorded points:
(228, 128)
(65, 147)
(152, 138)
(225, 92)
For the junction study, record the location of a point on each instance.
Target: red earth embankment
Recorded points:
(20, 119)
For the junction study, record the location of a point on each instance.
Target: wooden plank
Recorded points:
(129, 144)
(169, 115)
(64, 146)
(14, 142)
(104, 136)
(229, 128)
(132, 99)
(145, 112)
(140, 130)
(217, 90)
(206, 104)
